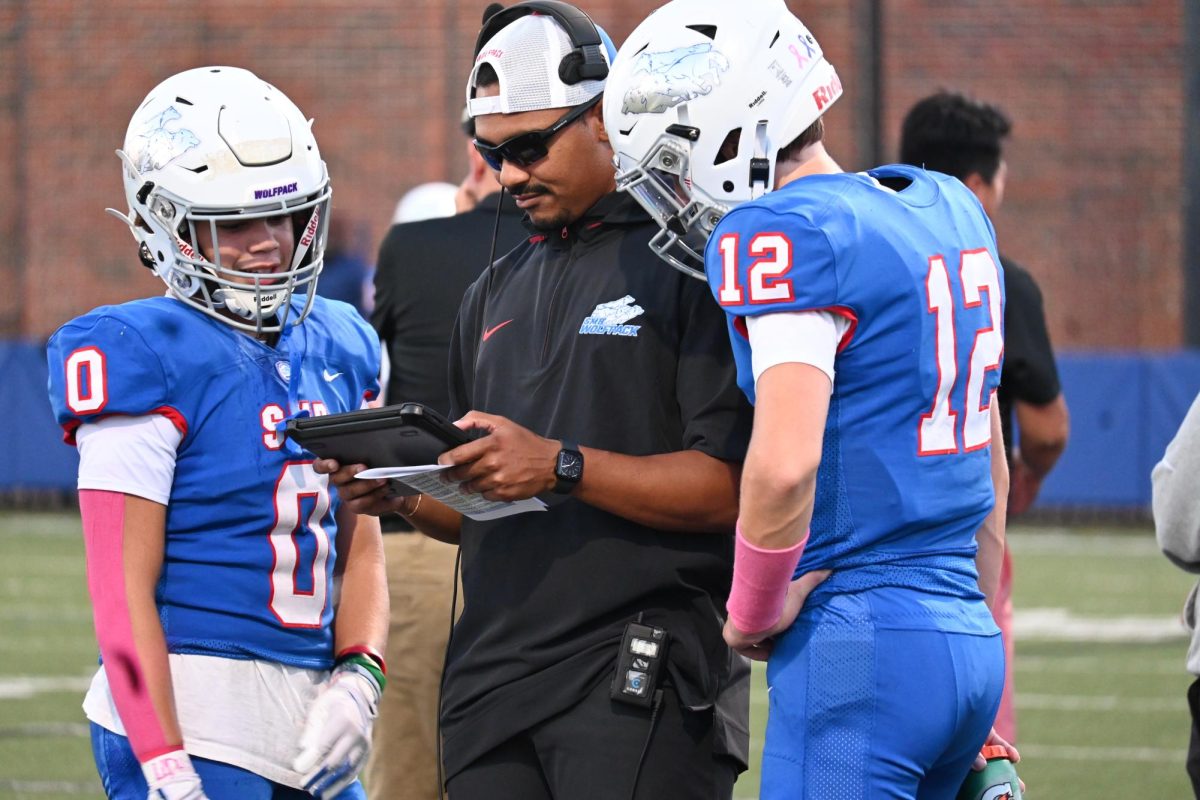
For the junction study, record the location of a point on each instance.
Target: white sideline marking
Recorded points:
(57, 614)
(1060, 624)
(1056, 752)
(50, 787)
(1067, 541)
(35, 729)
(25, 687)
(1099, 702)
(1095, 664)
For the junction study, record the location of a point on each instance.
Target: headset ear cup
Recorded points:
(492, 10)
(568, 68)
(576, 66)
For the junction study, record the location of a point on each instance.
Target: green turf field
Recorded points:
(1100, 666)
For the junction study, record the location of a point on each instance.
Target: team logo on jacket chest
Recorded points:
(608, 319)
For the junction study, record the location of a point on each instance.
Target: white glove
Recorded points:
(337, 733)
(171, 777)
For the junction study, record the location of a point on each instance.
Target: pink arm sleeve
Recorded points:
(103, 535)
(760, 583)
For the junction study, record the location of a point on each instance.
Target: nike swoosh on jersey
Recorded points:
(488, 333)
(330, 377)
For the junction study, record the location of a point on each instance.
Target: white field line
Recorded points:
(44, 613)
(1060, 624)
(31, 730)
(1100, 702)
(25, 687)
(1065, 541)
(1090, 665)
(1052, 752)
(23, 788)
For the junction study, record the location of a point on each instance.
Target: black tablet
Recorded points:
(403, 435)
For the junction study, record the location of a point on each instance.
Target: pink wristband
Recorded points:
(760, 583)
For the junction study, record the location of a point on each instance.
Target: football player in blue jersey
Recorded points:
(218, 559)
(865, 312)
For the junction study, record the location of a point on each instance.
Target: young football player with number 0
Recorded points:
(217, 558)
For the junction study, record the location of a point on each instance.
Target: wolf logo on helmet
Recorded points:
(697, 67)
(664, 80)
(162, 145)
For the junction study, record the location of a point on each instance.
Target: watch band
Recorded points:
(568, 467)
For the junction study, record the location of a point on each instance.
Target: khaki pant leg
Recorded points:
(403, 762)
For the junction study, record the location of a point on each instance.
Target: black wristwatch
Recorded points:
(568, 468)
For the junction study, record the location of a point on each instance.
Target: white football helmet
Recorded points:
(701, 98)
(214, 144)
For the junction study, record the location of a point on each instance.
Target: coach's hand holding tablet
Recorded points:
(492, 459)
(508, 463)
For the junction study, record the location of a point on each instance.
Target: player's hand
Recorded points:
(509, 463)
(1023, 487)
(757, 646)
(373, 497)
(172, 777)
(337, 733)
(994, 740)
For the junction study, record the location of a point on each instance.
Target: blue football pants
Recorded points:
(121, 775)
(863, 709)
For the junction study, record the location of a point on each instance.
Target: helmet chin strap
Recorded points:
(760, 165)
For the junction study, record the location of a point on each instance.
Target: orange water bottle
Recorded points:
(997, 781)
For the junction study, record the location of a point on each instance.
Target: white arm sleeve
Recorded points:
(131, 455)
(805, 337)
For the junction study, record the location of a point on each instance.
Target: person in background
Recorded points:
(427, 201)
(346, 275)
(1176, 502)
(240, 607)
(424, 267)
(964, 138)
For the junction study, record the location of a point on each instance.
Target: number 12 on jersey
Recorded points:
(939, 429)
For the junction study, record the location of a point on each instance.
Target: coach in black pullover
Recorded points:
(590, 338)
(580, 339)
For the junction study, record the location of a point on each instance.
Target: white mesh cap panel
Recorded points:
(526, 54)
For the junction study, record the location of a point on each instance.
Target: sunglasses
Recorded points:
(529, 148)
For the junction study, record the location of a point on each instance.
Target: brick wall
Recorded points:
(1095, 87)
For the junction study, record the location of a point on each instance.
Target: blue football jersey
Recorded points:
(250, 531)
(905, 474)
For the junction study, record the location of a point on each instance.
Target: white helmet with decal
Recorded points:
(216, 144)
(701, 98)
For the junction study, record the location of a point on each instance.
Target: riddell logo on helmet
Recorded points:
(275, 191)
(828, 93)
(311, 229)
(492, 53)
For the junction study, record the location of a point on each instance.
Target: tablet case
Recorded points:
(409, 434)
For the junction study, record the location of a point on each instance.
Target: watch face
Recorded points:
(570, 465)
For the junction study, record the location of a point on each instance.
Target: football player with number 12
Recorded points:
(217, 559)
(865, 313)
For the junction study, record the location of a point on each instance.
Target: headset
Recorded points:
(584, 63)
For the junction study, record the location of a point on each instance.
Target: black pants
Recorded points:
(592, 751)
(1193, 755)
